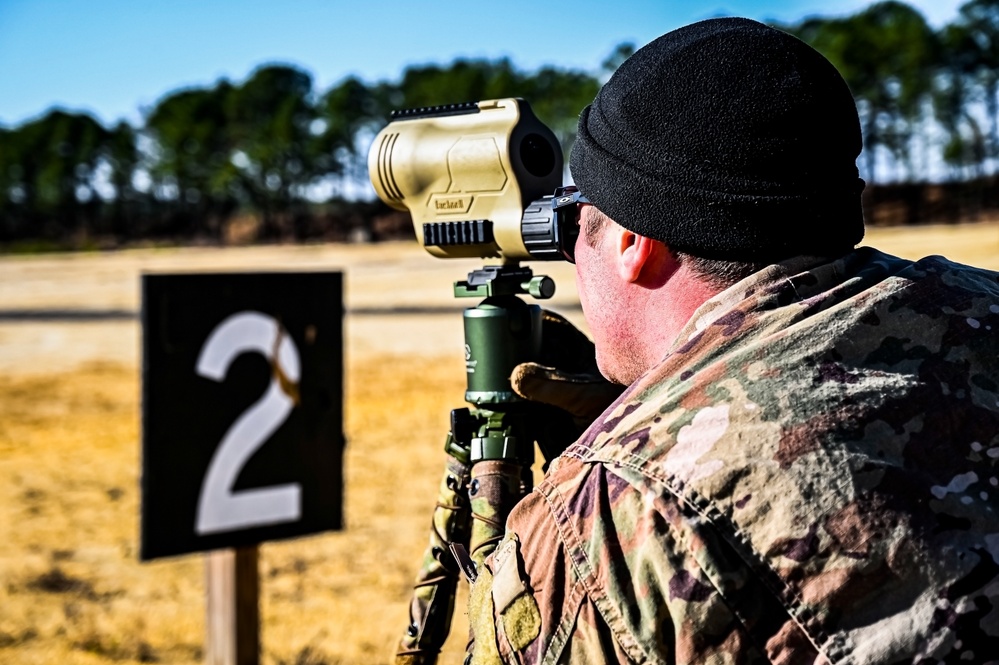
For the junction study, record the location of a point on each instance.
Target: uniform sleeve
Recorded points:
(530, 604)
(595, 571)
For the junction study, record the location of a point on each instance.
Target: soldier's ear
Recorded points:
(640, 259)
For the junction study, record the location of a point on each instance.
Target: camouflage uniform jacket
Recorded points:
(810, 475)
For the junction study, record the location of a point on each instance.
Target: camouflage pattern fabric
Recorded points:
(810, 475)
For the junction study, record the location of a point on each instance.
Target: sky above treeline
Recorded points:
(116, 58)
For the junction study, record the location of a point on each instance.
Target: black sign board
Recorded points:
(242, 409)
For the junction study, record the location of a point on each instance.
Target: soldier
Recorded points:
(803, 466)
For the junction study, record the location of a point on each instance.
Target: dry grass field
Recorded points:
(71, 587)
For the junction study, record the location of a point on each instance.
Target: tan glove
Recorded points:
(567, 376)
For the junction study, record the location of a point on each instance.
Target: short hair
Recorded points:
(719, 273)
(595, 225)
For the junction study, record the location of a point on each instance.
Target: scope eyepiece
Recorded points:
(550, 225)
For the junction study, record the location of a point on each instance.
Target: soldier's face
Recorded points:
(599, 289)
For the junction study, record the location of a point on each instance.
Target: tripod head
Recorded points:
(501, 332)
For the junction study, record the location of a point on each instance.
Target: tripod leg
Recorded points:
(432, 605)
(496, 487)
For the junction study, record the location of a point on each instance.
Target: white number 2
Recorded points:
(219, 507)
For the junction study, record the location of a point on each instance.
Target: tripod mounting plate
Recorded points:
(504, 281)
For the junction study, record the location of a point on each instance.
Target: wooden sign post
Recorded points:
(232, 587)
(242, 429)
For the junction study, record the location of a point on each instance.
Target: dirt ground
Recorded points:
(71, 587)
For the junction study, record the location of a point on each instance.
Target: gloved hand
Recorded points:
(566, 378)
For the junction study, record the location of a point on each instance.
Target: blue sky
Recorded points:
(113, 58)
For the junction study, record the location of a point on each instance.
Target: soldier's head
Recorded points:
(727, 143)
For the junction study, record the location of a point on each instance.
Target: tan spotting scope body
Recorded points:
(477, 179)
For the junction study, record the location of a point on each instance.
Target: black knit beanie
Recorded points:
(726, 139)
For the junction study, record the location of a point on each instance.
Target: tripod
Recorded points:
(490, 448)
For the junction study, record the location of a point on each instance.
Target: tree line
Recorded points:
(926, 97)
(292, 160)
